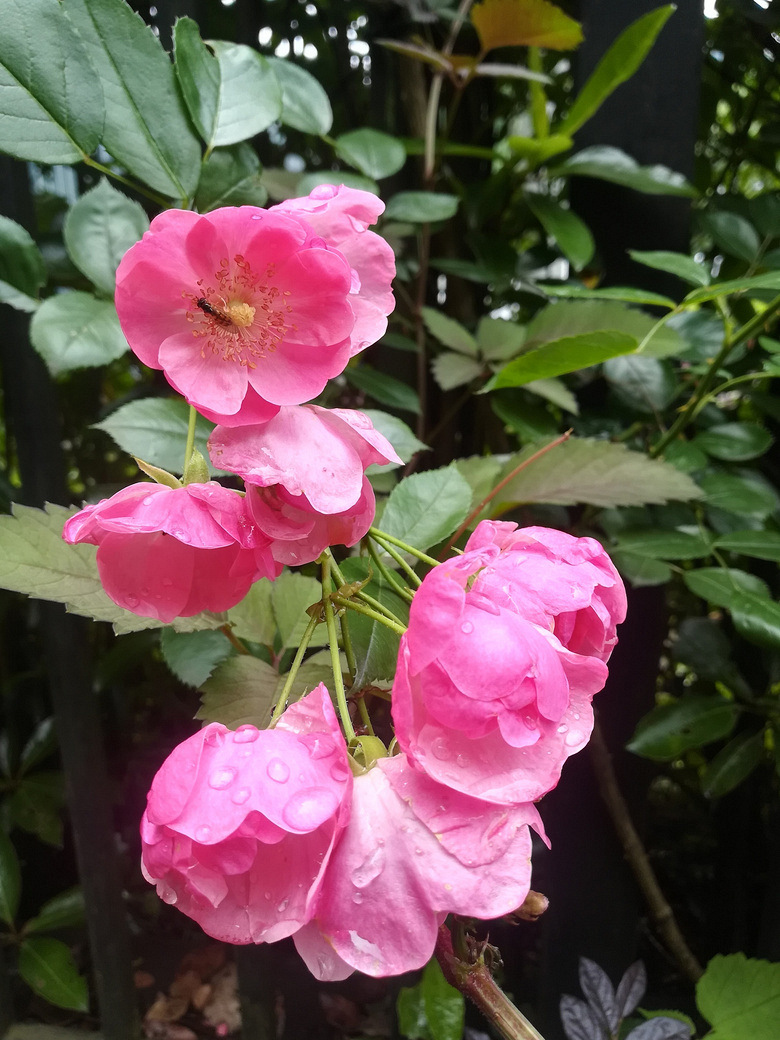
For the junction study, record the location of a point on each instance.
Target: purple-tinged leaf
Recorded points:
(600, 992)
(580, 1022)
(631, 989)
(661, 1028)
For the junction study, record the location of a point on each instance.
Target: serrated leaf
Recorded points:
(631, 989)
(22, 266)
(146, 126)
(400, 436)
(383, 388)
(691, 722)
(618, 64)
(599, 991)
(740, 998)
(664, 545)
(624, 294)
(305, 104)
(769, 280)
(612, 164)
(155, 429)
(763, 545)
(425, 508)
(63, 911)
(719, 585)
(193, 656)
(571, 318)
(291, 594)
(230, 177)
(596, 472)
(556, 392)
(499, 339)
(452, 370)
(51, 100)
(374, 153)
(570, 232)
(241, 691)
(645, 384)
(10, 880)
(253, 617)
(733, 764)
(99, 229)
(561, 356)
(421, 207)
(739, 495)
(47, 966)
(579, 1020)
(524, 23)
(76, 330)
(449, 332)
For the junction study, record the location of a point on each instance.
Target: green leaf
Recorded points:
(645, 384)
(155, 429)
(757, 619)
(625, 294)
(47, 966)
(575, 317)
(425, 508)
(740, 998)
(733, 764)
(253, 617)
(63, 911)
(538, 150)
(374, 153)
(99, 229)
(76, 330)
(499, 339)
(735, 235)
(410, 1008)
(421, 207)
(721, 585)
(558, 357)
(691, 722)
(684, 267)
(685, 456)
(22, 266)
(309, 181)
(613, 165)
(399, 435)
(596, 472)
(451, 370)
(524, 23)
(291, 594)
(734, 442)
(305, 104)
(197, 71)
(36, 561)
(739, 495)
(241, 691)
(10, 880)
(193, 656)
(18, 300)
(41, 744)
(664, 545)
(375, 645)
(51, 100)
(641, 571)
(445, 1006)
(36, 806)
(383, 388)
(146, 125)
(769, 280)
(618, 64)
(763, 545)
(230, 177)
(572, 234)
(449, 332)
(702, 644)
(556, 392)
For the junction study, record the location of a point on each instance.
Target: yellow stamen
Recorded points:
(241, 314)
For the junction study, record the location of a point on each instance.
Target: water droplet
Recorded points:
(321, 748)
(357, 897)
(144, 590)
(222, 778)
(278, 770)
(572, 740)
(466, 628)
(241, 795)
(562, 729)
(460, 761)
(131, 601)
(180, 535)
(246, 734)
(418, 852)
(339, 771)
(283, 906)
(307, 809)
(167, 582)
(202, 834)
(576, 715)
(267, 895)
(371, 867)
(440, 749)
(214, 738)
(148, 500)
(528, 721)
(167, 894)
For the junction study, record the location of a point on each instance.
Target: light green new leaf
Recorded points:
(193, 656)
(740, 998)
(47, 966)
(374, 153)
(572, 234)
(421, 207)
(574, 317)
(146, 125)
(556, 392)
(499, 339)
(425, 508)
(449, 332)
(10, 880)
(619, 64)
(99, 229)
(768, 280)
(51, 100)
(524, 23)
(63, 911)
(613, 165)
(230, 177)
(445, 1007)
(155, 429)
(76, 330)
(451, 370)
(250, 98)
(557, 358)
(597, 472)
(242, 691)
(21, 263)
(305, 105)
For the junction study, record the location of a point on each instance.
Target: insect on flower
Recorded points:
(214, 312)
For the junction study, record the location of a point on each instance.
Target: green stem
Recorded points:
(333, 644)
(361, 608)
(361, 594)
(383, 536)
(159, 199)
(233, 638)
(541, 122)
(189, 446)
(388, 575)
(281, 704)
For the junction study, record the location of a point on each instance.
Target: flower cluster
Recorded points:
(248, 312)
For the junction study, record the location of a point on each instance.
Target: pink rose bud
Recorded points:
(504, 652)
(246, 309)
(305, 475)
(172, 552)
(240, 826)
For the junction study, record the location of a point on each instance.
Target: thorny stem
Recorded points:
(361, 608)
(383, 536)
(475, 982)
(333, 644)
(296, 664)
(501, 485)
(638, 860)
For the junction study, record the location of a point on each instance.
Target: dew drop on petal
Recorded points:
(283, 906)
(357, 897)
(441, 749)
(371, 867)
(240, 796)
(562, 729)
(166, 893)
(214, 738)
(267, 895)
(572, 740)
(131, 601)
(339, 771)
(222, 778)
(278, 770)
(418, 852)
(246, 734)
(203, 833)
(466, 628)
(307, 809)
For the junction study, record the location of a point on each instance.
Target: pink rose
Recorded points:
(487, 698)
(305, 475)
(413, 851)
(240, 826)
(246, 309)
(173, 552)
